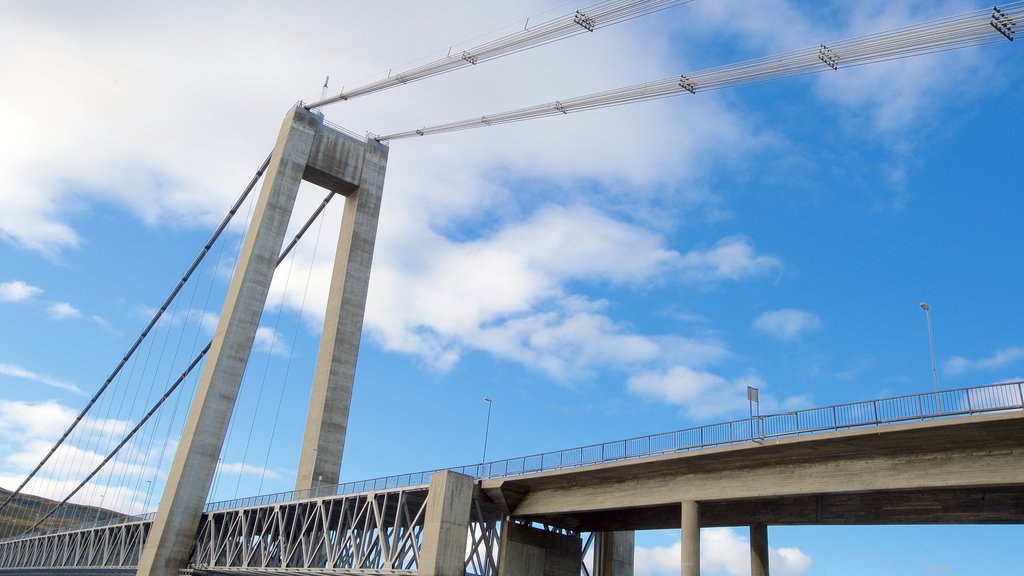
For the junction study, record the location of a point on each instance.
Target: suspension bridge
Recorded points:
(952, 456)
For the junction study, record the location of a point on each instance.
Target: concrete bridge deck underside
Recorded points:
(956, 471)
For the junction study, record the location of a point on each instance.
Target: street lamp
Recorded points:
(487, 429)
(98, 508)
(931, 347)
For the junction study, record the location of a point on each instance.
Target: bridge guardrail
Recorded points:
(928, 406)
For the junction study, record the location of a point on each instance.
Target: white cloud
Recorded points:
(240, 468)
(1000, 359)
(62, 310)
(702, 395)
(731, 258)
(512, 290)
(787, 323)
(722, 551)
(34, 420)
(18, 372)
(269, 341)
(28, 431)
(16, 291)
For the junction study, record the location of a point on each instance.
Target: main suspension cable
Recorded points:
(145, 332)
(584, 20)
(998, 24)
(167, 394)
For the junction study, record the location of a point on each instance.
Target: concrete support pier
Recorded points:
(690, 527)
(446, 525)
(527, 551)
(758, 550)
(613, 553)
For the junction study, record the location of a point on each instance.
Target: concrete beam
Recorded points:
(988, 505)
(758, 550)
(174, 528)
(323, 445)
(446, 525)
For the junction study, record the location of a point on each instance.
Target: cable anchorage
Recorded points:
(587, 22)
(829, 57)
(688, 84)
(1003, 24)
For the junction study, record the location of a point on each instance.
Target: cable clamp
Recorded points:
(1003, 23)
(585, 21)
(687, 84)
(560, 107)
(419, 131)
(469, 57)
(401, 79)
(829, 57)
(485, 120)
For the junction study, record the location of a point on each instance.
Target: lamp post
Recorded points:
(931, 347)
(99, 508)
(487, 430)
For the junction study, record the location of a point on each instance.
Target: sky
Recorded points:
(599, 276)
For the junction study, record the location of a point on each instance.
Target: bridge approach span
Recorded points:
(967, 470)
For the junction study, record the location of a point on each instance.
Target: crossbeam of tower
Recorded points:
(976, 28)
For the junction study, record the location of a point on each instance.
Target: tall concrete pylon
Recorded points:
(309, 150)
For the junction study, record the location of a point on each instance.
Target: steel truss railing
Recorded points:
(107, 547)
(371, 533)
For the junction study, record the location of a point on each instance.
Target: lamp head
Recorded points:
(925, 306)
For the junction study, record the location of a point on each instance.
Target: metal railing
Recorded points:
(929, 406)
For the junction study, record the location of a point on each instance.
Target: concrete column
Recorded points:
(690, 526)
(527, 551)
(327, 422)
(758, 550)
(446, 525)
(174, 528)
(613, 553)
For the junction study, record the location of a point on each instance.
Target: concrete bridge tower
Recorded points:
(306, 149)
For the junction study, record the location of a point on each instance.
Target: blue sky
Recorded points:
(603, 275)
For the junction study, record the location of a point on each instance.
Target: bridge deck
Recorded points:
(963, 470)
